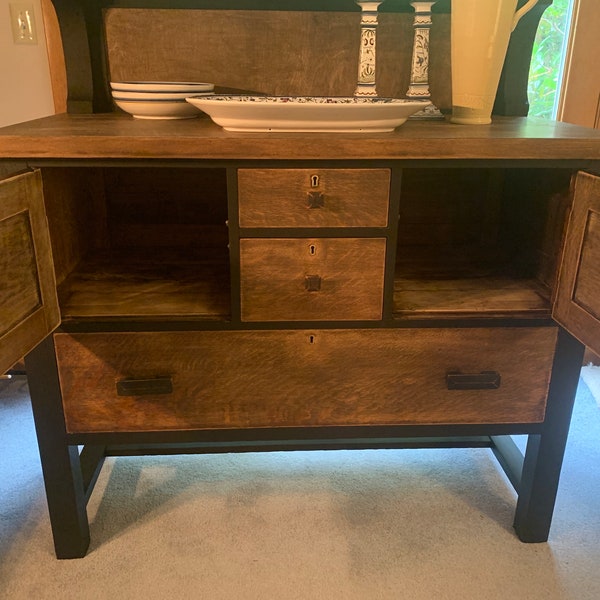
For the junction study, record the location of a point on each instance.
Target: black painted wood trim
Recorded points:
(322, 436)
(303, 445)
(545, 451)
(512, 98)
(92, 459)
(61, 468)
(510, 458)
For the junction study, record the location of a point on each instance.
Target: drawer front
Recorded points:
(235, 379)
(313, 197)
(312, 279)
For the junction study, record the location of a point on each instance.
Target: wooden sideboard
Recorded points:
(178, 288)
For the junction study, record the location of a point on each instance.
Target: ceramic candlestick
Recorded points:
(366, 60)
(419, 73)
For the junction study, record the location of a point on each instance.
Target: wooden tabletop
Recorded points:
(119, 136)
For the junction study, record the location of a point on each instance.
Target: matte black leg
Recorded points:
(545, 451)
(60, 461)
(91, 459)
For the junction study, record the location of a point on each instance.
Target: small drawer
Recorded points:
(311, 279)
(299, 378)
(313, 197)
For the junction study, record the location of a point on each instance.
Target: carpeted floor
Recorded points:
(591, 377)
(362, 525)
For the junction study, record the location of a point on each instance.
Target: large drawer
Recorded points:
(298, 279)
(292, 378)
(313, 197)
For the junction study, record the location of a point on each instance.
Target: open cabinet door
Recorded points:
(577, 306)
(28, 303)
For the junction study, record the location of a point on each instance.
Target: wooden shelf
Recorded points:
(104, 137)
(159, 286)
(492, 296)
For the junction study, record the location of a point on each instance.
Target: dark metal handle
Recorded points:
(486, 380)
(312, 283)
(315, 200)
(144, 387)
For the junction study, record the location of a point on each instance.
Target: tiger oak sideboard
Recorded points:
(177, 288)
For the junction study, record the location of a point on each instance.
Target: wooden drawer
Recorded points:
(313, 197)
(237, 379)
(312, 279)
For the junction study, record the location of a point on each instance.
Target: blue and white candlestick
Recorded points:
(419, 73)
(366, 86)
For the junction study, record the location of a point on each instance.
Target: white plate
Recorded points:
(162, 86)
(158, 109)
(121, 95)
(307, 113)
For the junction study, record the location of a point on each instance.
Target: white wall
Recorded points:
(25, 88)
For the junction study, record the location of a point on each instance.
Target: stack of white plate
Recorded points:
(158, 99)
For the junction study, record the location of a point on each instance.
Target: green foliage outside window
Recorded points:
(547, 59)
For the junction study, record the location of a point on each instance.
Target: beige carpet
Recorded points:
(591, 376)
(362, 525)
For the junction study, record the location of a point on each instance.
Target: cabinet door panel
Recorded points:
(577, 306)
(28, 304)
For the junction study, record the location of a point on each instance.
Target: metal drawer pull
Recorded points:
(486, 380)
(144, 387)
(315, 200)
(312, 283)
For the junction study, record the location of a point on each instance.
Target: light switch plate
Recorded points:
(22, 20)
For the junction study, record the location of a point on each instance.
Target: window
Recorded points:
(547, 60)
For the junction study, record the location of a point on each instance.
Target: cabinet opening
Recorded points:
(479, 242)
(139, 242)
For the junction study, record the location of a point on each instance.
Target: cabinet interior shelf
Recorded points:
(125, 286)
(494, 296)
(155, 287)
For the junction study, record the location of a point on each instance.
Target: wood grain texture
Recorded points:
(75, 205)
(138, 242)
(587, 288)
(166, 208)
(114, 136)
(56, 58)
(535, 212)
(273, 52)
(28, 304)
(21, 295)
(444, 207)
(578, 300)
(122, 285)
(303, 378)
(479, 241)
(278, 197)
(490, 296)
(273, 273)
(83, 34)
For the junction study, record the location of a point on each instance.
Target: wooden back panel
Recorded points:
(273, 52)
(300, 46)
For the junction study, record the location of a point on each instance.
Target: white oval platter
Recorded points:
(307, 113)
